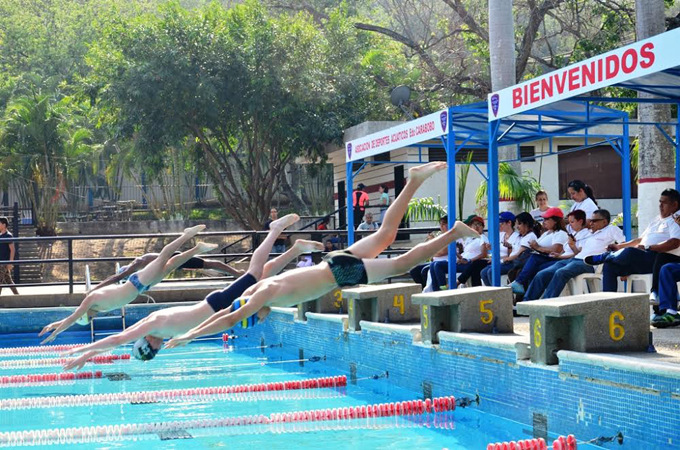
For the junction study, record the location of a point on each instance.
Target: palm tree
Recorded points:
(521, 188)
(655, 154)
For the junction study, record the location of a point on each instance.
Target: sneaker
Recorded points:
(666, 320)
(517, 288)
(595, 260)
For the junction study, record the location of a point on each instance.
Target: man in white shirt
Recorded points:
(551, 281)
(368, 224)
(640, 255)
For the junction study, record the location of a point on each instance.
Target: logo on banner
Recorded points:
(495, 101)
(443, 117)
(349, 151)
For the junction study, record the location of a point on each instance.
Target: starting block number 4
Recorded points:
(486, 314)
(399, 303)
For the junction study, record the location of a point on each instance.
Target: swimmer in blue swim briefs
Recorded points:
(356, 265)
(114, 296)
(148, 334)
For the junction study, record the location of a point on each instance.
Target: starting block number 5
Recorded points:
(486, 314)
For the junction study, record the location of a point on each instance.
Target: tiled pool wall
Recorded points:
(593, 397)
(586, 395)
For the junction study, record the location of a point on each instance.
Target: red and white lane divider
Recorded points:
(561, 443)
(48, 378)
(45, 362)
(170, 395)
(113, 432)
(38, 349)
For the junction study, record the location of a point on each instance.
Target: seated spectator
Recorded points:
(668, 315)
(305, 261)
(528, 231)
(509, 239)
(657, 245)
(550, 282)
(420, 272)
(544, 249)
(324, 224)
(473, 250)
(368, 224)
(542, 206)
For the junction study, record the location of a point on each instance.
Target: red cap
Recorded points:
(553, 212)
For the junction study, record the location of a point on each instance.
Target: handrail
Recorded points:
(70, 260)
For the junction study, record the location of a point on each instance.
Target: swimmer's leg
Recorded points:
(261, 253)
(300, 247)
(153, 273)
(177, 260)
(371, 245)
(379, 269)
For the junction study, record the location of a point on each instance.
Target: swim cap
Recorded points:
(143, 351)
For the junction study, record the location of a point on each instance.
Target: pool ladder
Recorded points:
(93, 334)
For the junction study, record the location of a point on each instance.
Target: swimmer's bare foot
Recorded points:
(204, 247)
(284, 222)
(419, 174)
(463, 231)
(194, 230)
(305, 246)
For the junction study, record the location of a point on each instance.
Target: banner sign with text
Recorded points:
(418, 130)
(623, 64)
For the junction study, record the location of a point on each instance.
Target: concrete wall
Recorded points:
(142, 227)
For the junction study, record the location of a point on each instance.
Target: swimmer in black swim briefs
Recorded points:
(149, 333)
(355, 265)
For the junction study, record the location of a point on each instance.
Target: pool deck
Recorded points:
(666, 341)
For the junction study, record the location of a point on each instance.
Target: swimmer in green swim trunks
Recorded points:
(356, 265)
(117, 295)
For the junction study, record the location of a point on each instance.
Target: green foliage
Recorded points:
(425, 210)
(519, 188)
(462, 183)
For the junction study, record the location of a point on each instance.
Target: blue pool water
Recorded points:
(210, 364)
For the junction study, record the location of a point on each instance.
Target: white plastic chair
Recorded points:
(586, 282)
(641, 278)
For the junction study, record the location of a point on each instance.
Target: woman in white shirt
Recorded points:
(509, 239)
(527, 231)
(583, 198)
(552, 241)
(542, 206)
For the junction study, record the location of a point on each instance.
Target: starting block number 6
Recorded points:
(616, 330)
(486, 314)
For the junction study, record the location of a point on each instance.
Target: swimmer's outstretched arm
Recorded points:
(141, 328)
(62, 325)
(220, 321)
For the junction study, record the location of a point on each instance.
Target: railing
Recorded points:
(253, 235)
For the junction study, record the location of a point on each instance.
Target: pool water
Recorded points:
(211, 363)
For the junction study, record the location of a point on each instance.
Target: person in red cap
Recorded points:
(553, 241)
(474, 249)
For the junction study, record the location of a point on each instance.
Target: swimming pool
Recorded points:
(210, 364)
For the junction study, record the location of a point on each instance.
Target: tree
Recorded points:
(655, 154)
(248, 91)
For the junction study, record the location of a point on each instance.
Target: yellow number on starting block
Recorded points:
(487, 314)
(538, 338)
(616, 331)
(426, 322)
(399, 303)
(350, 309)
(338, 298)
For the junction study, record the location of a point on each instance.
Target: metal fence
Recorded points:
(66, 251)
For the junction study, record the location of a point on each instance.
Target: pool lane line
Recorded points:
(221, 350)
(38, 349)
(171, 395)
(411, 408)
(51, 378)
(47, 362)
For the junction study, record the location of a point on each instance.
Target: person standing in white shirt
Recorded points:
(552, 241)
(583, 198)
(551, 281)
(640, 255)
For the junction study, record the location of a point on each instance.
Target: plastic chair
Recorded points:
(642, 278)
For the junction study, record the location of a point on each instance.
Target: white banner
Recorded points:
(626, 63)
(418, 130)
